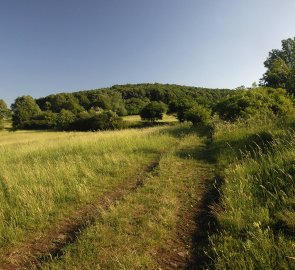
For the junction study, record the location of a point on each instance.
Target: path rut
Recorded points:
(34, 252)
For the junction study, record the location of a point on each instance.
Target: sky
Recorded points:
(51, 46)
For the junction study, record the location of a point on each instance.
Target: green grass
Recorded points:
(47, 175)
(256, 216)
(5, 124)
(131, 233)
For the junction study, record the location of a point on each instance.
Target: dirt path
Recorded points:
(185, 248)
(36, 251)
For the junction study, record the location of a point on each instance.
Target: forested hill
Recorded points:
(129, 98)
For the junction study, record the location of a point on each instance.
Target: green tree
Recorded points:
(93, 120)
(179, 107)
(105, 120)
(4, 112)
(64, 101)
(280, 66)
(135, 105)
(24, 109)
(153, 111)
(65, 119)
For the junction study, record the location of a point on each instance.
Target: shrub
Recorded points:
(197, 115)
(153, 111)
(92, 120)
(246, 103)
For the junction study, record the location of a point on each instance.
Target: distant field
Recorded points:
(7, 124)
(136, 118)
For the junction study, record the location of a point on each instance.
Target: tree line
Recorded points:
(100, 109)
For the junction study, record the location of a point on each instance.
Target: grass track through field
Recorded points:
(38, 251)
(153, 227)
(49, 177)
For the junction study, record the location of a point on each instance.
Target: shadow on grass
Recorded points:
(199, 152)
(206, 224)
(205, 220)
(145, 124)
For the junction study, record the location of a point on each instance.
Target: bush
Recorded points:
(246, 103)
(97, 121)
(153, 111)
(197, 115)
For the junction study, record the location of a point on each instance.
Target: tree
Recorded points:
(179, 107)
(4, 112)
(153, 111)
(97, 121)
(280, 66)
(64, 101)
(65, 119)
(106, 120)
(135, 105)
(24, 109)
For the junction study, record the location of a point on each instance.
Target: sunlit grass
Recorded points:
(129, 235)
(136, 118)
(45, 175)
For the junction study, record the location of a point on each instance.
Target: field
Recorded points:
(162, 197)
(121, 191)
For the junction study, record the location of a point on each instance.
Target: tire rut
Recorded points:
(33, 253)
(185, 248)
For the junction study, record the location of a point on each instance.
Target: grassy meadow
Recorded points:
(47, 175)
(135, 233)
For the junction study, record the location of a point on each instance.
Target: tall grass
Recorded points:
(134, 233)
(44, 176)
(258, 196)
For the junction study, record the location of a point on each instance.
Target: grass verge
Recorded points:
(256, 214)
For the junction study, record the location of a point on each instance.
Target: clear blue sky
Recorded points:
(54, 46)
